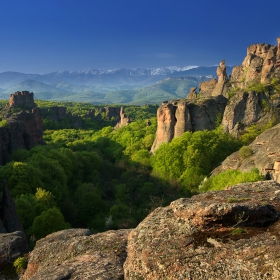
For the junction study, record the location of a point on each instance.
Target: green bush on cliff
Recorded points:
(192, 156)
(245, 152)
(230, 178)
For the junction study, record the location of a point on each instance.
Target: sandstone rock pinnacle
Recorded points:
(277, 64)
(24, 99)
(192, 94)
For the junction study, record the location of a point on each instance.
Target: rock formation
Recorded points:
(230, 234)
(277, 64)
(24, 129)
(245, 109)
(23, 100)
(59, 114)
(259, 65)
(206, 88)
(124, 119)
(78, 254)
(192, 94)
(13, 241)
(265, 156)
(177, 117)
(221, 86)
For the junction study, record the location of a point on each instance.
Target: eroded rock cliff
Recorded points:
(23, 129)
(260, 64)
(177, 117)
(265, 152)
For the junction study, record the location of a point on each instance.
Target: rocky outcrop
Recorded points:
(245, 109)
(60, 114)
(13, 241)
(177, 117)
(78, 254)
(192, 94)
(277, 64)
(206, 88)
(24, 128)
(265, 152)
(23, 100)
(221, 87)
(124, 119)
(231, 234)
(259, 65)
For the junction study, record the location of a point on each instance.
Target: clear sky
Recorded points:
(38, 36)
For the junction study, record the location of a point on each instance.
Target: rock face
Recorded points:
(24, 129)
(177, 117)
(78, 254)
(265, 153)
(59, 114)
(221, 86)
(23, 99)
(206, 88)
(13, 241)
(245, 109)
(231, 234)
(259, 65)
(124, 119)
(277, 64)
(192, 94)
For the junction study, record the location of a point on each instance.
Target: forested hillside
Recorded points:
(100, 178)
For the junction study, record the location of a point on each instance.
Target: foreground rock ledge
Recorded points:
(194, 238)
(78, 254)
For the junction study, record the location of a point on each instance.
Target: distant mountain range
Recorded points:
(135, 86)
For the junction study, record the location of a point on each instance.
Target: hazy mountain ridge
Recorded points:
(107, 86)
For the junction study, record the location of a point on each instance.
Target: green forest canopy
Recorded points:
(103, 179)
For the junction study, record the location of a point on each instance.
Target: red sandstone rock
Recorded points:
(124, 119)
(194, 238)
(192, 94)
(23, 99)
(78, 254)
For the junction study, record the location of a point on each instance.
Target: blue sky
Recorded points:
(39, 36)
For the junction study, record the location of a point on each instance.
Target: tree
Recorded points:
(48, 222)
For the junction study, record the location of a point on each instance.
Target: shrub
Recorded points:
(230, 178)
(245, 152)
(3, 123)
(20, 264)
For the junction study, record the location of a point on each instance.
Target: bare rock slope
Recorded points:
(78, 254)
(264, 155)
(231, 234)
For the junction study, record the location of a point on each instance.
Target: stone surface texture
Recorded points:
(177, 117)
(192, 94)
(194, 238)
(24, 129)
(13, 241)
(23, 99)
(245, 109)
(221, 87)
(78, 254)
(124, 119)
(265, 152)
(259, 65)
(206, 88)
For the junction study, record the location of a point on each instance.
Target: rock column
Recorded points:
(277, 65)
